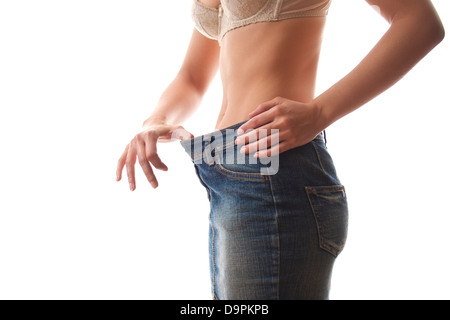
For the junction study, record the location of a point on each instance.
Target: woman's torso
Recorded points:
(261, 61)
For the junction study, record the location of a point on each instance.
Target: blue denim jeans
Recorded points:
(275, 229)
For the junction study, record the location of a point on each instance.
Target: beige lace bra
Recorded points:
(231, 14)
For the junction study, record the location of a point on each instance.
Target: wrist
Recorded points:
(322, 116)
(154, 120)
(326, 116)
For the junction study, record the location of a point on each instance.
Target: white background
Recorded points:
(77, 79)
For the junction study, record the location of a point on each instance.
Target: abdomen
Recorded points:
(262, 61)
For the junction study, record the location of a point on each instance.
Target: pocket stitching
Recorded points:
(238, 175)
(317, 216)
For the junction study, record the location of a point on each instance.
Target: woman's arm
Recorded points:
(177, 103)
(415, 29)
(183, 96)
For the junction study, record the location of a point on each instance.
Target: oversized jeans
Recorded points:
(275, 228)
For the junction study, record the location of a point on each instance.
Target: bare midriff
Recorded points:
(262, 61)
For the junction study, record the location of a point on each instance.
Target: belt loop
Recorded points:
(325, 136)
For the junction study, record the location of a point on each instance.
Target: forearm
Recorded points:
(406, 42)
(177, 103)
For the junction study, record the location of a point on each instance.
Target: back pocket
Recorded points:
(330, 208)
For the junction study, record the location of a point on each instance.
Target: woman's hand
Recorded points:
(143, 146)
(297, 123)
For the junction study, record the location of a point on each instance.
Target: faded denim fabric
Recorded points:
(277, 225)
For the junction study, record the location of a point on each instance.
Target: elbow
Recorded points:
(436, 31)
(440, 34)
(427, 27)
(430, 34)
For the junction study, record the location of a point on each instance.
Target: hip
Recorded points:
(298, 185)
(217, 158)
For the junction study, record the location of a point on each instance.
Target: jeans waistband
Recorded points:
(205, 147)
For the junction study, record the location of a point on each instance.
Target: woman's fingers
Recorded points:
(263, 116)
(182, 134)
(175, 133)
(256, 122)
(151, 153)
(144, 148)
(121, 164)
(144, 163)
(130, 162)
(255, 127)
(263, 107)
(273, 151)
(266, 140)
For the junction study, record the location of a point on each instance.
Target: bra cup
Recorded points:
(232, 14)
(243, 9)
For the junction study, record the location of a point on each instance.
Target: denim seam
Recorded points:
(326, 189)
(278, 238)
(318, 157)
(318, 224)
(323, 244)
(244, 176)
(213, 253)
